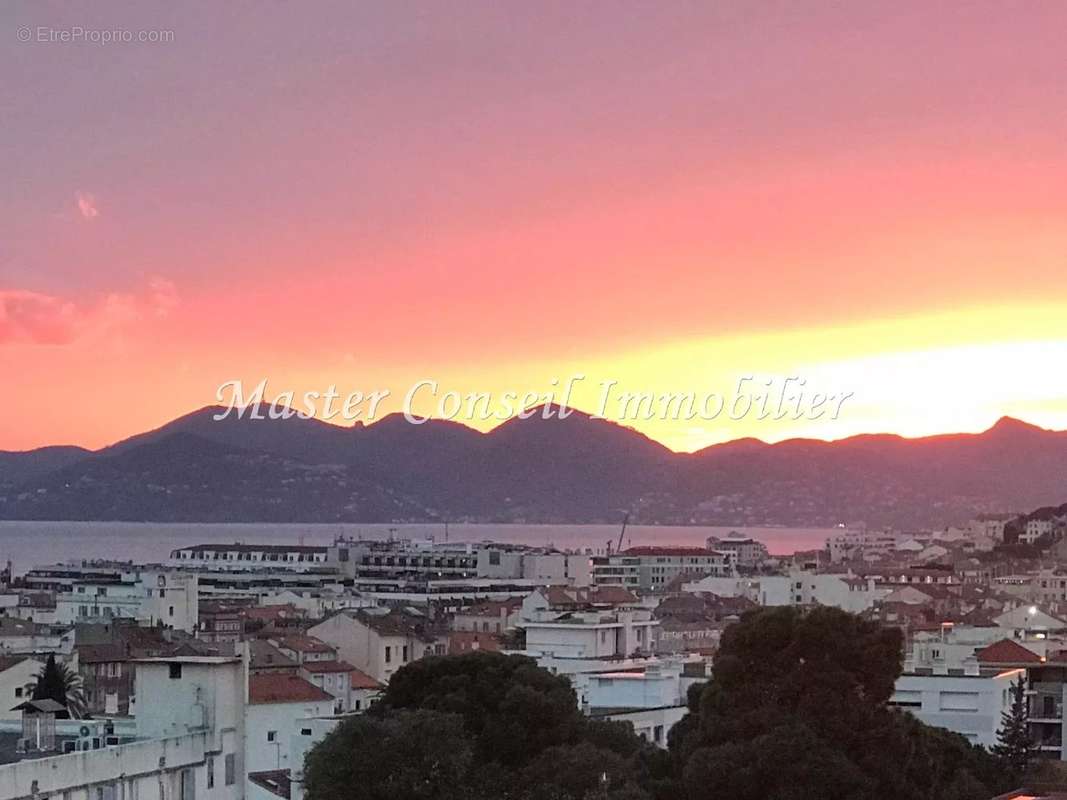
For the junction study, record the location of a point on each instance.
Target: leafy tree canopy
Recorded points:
(481, 726)
(797, 709)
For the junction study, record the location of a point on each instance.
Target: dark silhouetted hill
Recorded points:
(578, 469)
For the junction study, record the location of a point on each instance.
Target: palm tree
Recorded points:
(59, 682)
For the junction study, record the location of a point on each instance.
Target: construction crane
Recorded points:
(622, 533)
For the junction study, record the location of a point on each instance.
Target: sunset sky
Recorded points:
(872, 196)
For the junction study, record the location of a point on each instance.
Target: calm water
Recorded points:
(27, 544)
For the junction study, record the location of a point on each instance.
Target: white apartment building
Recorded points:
(747, 552)
(558, 569)
(652, 698)
(244, 556)
(650, 569)
(351, 689)
(799, 588)
(24, 637)
(379, 641)
(1035, 529)
(189, 742)
(276, 704)
(848, 593)
(860, 543)
(18, 674)
(151, 597)
(970, 705)
(582, 631)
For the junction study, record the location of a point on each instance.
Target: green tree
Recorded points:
(507, 729)
(418, 755)
(59, 682)
(1014, 743)
(797, 708)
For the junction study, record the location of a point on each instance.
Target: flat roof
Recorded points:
(188, 660)
(254, 548)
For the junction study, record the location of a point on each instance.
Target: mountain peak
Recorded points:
(1012, 425)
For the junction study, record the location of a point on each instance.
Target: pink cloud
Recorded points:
(35, 318)
(87, 205)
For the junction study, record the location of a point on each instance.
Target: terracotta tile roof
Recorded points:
(1007, 652)
(571, 597)
(469, 641)
(492, 608)
(277, 688)
(361, 680)
(101, 653)
(399, 623)
(327, 666)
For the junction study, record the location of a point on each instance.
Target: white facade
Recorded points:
(797, 589)
(190, 729)
(153, 597)
(747, 552)
(651, 698)
(968, 705)
(377, 653)
(24, 637)
(1035, 529)
(609, 633)
(271, 727)
(243, 556)
(652, 568)
(16, 685)
(558, 569)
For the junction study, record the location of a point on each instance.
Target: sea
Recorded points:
(30, 544)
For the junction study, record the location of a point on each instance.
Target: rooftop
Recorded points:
(668, 551)
(398, 622)
(275, 781)
(327, 666)
(1007, 652)
(361, 680)
(266, 689)
(299, 643)
(253, 548)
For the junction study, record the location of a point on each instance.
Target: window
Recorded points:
(305, 731)
(171, 612)
(388, 655)
(404, 654)
(272, 736)
(210, 772)
(18, 691)
(230, 768)
(175, 671)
